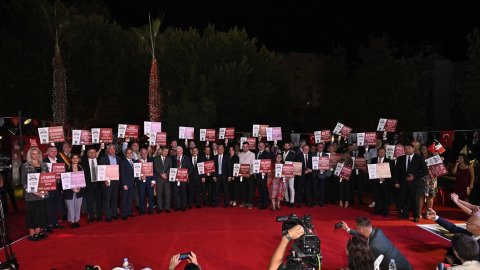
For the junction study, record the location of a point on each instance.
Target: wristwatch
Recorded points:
(286, 235)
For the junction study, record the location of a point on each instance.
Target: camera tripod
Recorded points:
(10, 262)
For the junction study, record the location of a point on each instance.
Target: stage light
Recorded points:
(27, 121)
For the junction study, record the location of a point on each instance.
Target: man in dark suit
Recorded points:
(472, 229)
(110, 188)
(206, 179)
(262, 177)
(144, 185)
(161, 168)
(182, 161)
(358, 179)
(93, 190)
(382, 186)
(194, 185)
(378, 243)
(127, 182)
(305, 179)
(409, 172)
(317, 194)
(55, 198)
(220, 178)
(289, 155)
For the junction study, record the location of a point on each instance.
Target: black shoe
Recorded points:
(183, 209)
(99, 219)
(167, 211)
(108, 220)
(64, 218)
(225, 206)
(150, 212)
(299, 205)
(115, 217)
(131, 215)
(33, 237)
(58, 226)
(124, 217)
(90, 220)
(322, 205)
(159, 211)
(77, 224)
(403, 216)
(48, 229)
(198, 206)
(189, 207)
(42, 236)
(416, 220)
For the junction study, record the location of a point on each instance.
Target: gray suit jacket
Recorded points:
(380, 244)
(160, 167)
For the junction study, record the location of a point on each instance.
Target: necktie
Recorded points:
(306, 160)
(380, 160)
(93, 169)
(131, 163)
(259, 153)
(220, 164)
(178, 162)
(194, 161)
(163, 160)
(408, 162)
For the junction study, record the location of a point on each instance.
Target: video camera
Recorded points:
(305, 252)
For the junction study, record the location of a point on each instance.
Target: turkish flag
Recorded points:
(446, 138)
(311, 139)
(431, 148)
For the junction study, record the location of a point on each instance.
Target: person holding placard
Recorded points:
(36, 208)
(276, 186)
(182, 161)
(247, 157)
(93, 190)
(289, 155)
(221, 176)
(303, 180)
(382, 186)
(359, 181)
(410, 170)
(319, 177)
(233, 184)
(430, 191)
(66, 155)
(161, 168)
(206, 178)
(344, 184)
(110, 188)
(56, 204)
(144, 186)
(194, 186)
(127, 182)
(74, 197)
(332, 183)
(135, 147)
(262, 178)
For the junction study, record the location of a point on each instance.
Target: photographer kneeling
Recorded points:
(379, 244)
(277, 258)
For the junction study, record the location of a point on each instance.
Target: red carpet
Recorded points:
(222, 239)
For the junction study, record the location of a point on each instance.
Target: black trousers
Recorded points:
(56, 204)
(382, 196)
(299, 186)
(411, 192)
(344, 190)
(194, 189)
(127, 200)
(222, 187)
(93, 196)
(110, 199)
(332, 188)
(181, 195)
(248, 185)
(262, 189)
(359, 182)
(319, 190)
(234, 189)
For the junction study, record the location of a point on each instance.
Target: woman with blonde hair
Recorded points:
(36, 210)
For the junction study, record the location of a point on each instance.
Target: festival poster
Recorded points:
(137, 169)
(388, 125)
(345, 172)
(51, 134)
(278, 170)
(370, 138)
(226, 133)
(287, 170)
(32, 182)
(161, 139)
(381, 124)
(256, 166)
(127, 131)
(108, 172)
(315, 163)
(147, 169)
(360, 163)
(81, 137)
(150, 128)
(209, 166)
(47, 182)
(182, 175)
(361, 139)
(200, 168)
(57, 168)
(297, 168)
(379, 170)
(322, 136)
(236, 170)
(389, 151)
(256, 130)
(342, 130)
(208, 135)
(71, 180)
(274, 134)
(244, 170)
(324, 163)
(338, 168)
(265, 165)
(436, 167)
(187, 133)
(172, 176)
(399, 151)
(334, 158)
(102, 135)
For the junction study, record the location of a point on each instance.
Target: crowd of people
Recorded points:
(411, 189)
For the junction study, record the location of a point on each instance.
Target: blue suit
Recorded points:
(127, 179)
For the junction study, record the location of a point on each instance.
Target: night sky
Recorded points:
(313, 26)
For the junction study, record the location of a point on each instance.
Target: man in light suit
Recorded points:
(379, 244)
(161, 168)
(127, 182)
(409, 172)
(221, 175)
(110, 188)
(182, 161)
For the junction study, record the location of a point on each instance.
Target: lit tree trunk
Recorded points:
(154, 105)
(59, 105)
